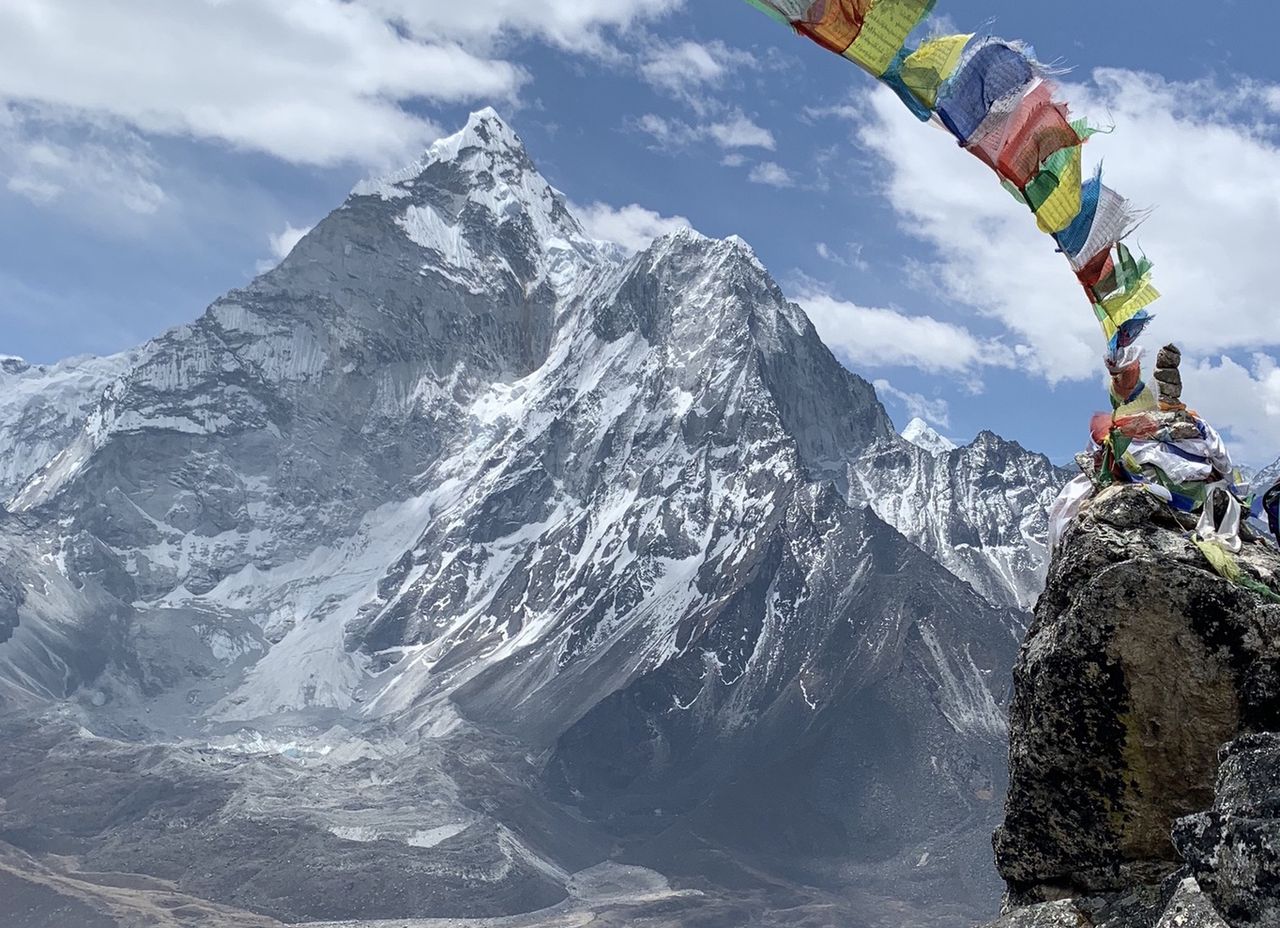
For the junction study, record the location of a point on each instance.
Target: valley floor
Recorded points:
(51, 892)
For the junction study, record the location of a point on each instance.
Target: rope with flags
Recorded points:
(1001, 106)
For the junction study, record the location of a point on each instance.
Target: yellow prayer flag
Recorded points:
(885, 31)
(1063, 205)
(1144, 402)
(931, 64)
(1122, 307)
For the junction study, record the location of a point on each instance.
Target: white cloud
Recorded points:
(737, 131)
(733, 131)
(1215, 183)
(849, 256)
(869, 337)
(1244, 399)
(574, 24)
(282, 243)
(633, 227)
(97, 170)
(309, 81)
(772, 174)
(733, 160)
(1196, 152)
(316, 82)
(935, 411)
(679, 67)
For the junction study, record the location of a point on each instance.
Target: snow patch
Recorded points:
(923, 436)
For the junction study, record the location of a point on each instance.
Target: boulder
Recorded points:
(1061, 914)
(1140, 663)
(1234, 848)
(1190, 908)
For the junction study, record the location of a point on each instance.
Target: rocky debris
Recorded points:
(1061, 914)
(1178, 902)
(1190, 908)
(1234, 848)
(1140, 663)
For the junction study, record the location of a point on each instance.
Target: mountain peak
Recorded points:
(923, 436)
(485, 130)
(485, 133)
(480, 211)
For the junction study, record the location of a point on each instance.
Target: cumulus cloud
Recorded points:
(771, 174)
(737, 131)
(579, 25)
(1215, 183)
(1244, 397)
(868, 337)
(281, 244)
(732, 131)
(632, 227)
(317, 82)
(680, 67)
(309, 81)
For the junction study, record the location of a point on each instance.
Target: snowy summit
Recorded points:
(923, 436)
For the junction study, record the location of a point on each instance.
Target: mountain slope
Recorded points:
(43, 406)
(603, 551)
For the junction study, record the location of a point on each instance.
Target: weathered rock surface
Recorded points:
(1234, 848)
(1061, 914)
(1190, 908)
(1140, 663)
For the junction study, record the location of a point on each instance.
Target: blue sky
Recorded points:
(138, 184)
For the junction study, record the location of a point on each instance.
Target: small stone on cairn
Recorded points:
(1169, 378)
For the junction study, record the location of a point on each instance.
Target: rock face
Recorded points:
(479, 554)
(42, 407)
(1190, 908)
(1140, 663)
(1234, 848)
(980, 510)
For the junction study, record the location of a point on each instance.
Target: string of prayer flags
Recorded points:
(999, 103)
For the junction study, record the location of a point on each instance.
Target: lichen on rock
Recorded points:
(1234, 848)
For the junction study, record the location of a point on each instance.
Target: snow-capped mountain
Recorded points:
(980, 510)
(456, 477)
(923, 436)
(1267, 477)
(43, 406)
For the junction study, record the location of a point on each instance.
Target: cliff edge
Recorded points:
(1144, 787)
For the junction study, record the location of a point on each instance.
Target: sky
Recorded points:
(155, 154)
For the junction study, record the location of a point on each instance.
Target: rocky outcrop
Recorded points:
(1234, 848)
(1141, 662)
(1177, 903)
